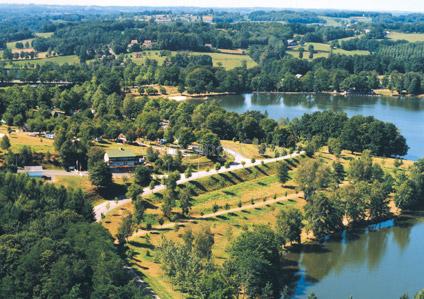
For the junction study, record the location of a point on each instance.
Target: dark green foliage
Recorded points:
(190, 268)
(186, 201)
(256, 262)
(5, 143)
(142, 175)
(100, 175)
(125, 230)
(49, 246)
(383, 139)
(283, 172)
(363, 169)
(289, 225)
(409, 187)
(324, 216)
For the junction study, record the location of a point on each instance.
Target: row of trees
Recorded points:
(356, 134)
(364, 197)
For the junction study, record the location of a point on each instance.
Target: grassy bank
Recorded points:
(253, 193)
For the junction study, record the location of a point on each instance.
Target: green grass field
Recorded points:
(228, 61)
(44, 34)
(323, 50)
(12, 45)
(410, 37)
(70, 59)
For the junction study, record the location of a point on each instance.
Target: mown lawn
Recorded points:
(228, 61)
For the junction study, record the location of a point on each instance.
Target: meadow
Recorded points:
(70, 59)
(410, 37)
(323, 50)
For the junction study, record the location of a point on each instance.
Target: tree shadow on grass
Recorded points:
(239, 179)
(260, 170)
(114, 191)
(141, 245)
(227, 178)
(198, 186)
(229, 193)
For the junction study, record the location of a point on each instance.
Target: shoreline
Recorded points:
(206, 96)
(345, 94)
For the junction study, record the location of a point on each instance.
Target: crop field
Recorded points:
(228, 61)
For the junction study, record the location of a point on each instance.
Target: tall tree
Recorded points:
(100, 175)
(283, 172)
(323, 215)
(289, 225)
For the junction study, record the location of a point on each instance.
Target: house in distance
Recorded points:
(121, 160)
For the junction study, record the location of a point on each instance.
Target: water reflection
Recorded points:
(364, 263)
(406, 113)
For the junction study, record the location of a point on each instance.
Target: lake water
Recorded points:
(381, 261)
(407, 113)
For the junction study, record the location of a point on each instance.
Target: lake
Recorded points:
(406, 113)
(380, 261)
